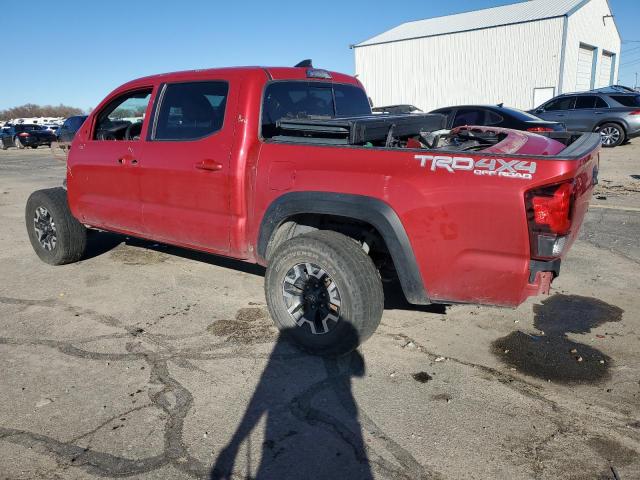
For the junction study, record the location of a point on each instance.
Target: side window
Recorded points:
(627, 100)
(600, 103)
(467, 116)
(565, 103)
(122, 119)
(492, 118)
(189, 111)
(585, 101)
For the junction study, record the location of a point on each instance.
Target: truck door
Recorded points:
(185, 173)
(103, 178)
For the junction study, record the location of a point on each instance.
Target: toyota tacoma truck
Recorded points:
(288, 168)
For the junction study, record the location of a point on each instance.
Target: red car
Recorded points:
(288, 168)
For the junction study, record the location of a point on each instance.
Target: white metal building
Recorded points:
(520, 55)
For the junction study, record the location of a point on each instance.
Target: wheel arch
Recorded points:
(617, 121)
(360, 208)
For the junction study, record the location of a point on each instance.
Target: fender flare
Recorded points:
(367, 209)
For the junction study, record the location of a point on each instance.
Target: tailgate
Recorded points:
(585, 180)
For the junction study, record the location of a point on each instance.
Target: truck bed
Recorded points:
(426, 131)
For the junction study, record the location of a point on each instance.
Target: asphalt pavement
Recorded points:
(146, 361)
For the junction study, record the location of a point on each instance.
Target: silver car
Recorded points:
(616, 115)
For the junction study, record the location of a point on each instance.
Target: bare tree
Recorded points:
(32, 110)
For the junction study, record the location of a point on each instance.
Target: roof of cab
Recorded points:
(270, 73)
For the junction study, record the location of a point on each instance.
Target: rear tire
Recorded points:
(34, 146)
(612, 135)
(56, 236)
(332, 289)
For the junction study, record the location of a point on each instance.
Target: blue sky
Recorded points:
(76, 51)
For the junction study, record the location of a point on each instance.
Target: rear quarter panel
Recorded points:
(469, 232)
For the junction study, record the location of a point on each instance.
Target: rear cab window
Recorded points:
(310, 99)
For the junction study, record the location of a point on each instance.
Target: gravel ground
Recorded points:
(147, 361)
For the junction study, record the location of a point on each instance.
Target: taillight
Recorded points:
(23, 134)
(539, 129)
(549, 215)
(635, 112)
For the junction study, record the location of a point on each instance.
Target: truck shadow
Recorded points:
(101, 243)
(552, 355)
(305, 416)
(394, 299)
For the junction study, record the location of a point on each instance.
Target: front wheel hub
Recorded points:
(312, 298)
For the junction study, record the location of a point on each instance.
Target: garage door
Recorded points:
(606, 64)
(585, 68)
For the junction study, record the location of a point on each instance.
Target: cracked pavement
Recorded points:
(148, 361)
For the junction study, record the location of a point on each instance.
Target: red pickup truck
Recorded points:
(288, 168)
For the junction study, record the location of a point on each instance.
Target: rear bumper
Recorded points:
(633, 126)
(31, 141)
(633, 133)
(537, 266)
(541, 274)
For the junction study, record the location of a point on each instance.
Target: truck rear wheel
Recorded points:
(324, 292)
(56, 236)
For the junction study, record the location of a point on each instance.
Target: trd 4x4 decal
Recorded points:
(484, 166)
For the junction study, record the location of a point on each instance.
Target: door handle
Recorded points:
(127, 158)
(209, 164)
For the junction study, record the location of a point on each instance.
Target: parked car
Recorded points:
(395, 109)
(50, 127)
(289, 168)
(615, 115)
(4, 131)
(497, 116)
(69, 128)
(27, 135)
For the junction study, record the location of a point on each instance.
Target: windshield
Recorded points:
(295, 99)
